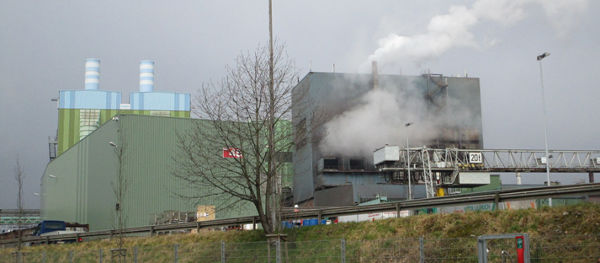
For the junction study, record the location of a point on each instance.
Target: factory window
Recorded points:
(89, 120)
(357, 164)
(330, 163)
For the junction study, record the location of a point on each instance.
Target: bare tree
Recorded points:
(19, 175)
(119, 187)
(236, 153)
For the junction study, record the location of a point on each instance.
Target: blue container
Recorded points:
(313, 222)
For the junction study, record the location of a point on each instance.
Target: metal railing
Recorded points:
(289, 214)
(16, 212)
(501, 160)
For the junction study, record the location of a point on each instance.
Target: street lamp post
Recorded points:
(408, 161)
(539, 59)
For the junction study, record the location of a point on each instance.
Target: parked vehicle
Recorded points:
(57, 227)
(49, 228)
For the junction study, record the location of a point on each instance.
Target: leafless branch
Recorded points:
(242, 112)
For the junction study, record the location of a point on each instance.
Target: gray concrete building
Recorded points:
(339, 119)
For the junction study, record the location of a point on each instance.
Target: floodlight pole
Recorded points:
(408, 161)
(539, 59)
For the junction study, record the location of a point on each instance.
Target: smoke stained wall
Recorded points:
(345, 118)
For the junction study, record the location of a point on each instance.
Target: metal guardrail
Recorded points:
(16, 212)
(492, 196)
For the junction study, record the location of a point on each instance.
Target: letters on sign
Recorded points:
(232, 153)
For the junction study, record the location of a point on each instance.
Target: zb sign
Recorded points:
(475, 158)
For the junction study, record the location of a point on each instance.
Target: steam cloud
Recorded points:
(453, 29)
(380, 117)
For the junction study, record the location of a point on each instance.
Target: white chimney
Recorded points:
(375, 75)
(146, 76)
(92, 73)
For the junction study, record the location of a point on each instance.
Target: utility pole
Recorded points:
(408, 162)
(539, 59)
(272, 173)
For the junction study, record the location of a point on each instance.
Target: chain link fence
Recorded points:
(558, 248)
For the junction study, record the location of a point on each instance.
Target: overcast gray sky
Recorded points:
(43, 45)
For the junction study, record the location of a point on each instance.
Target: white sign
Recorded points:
(473, 178)
(232, 153)
(475, 158)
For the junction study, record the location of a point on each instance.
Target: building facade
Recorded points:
(450, 107)
(82, 111)
(78, 186)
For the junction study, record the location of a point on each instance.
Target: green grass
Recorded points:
(365, 240)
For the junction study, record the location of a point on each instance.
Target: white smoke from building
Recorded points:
(380, 116)
(454, 29)
(377, 120)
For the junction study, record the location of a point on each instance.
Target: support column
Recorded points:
(343, 251)
(223, 260)
(319, 217)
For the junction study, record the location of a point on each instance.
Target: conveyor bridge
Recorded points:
(442, 167)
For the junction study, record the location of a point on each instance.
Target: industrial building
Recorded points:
(322, 98)
(82, 111)
(78, 185)
(100, 140)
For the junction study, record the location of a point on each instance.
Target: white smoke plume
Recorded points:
(454, 29)
(378, 120)
(380, 117)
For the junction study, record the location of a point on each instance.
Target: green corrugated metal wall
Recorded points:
(495, 184)
(79, 189)
(82, 191)
(68, 123)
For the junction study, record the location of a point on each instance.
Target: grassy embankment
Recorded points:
(575, 222)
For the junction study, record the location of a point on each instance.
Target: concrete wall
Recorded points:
(352, 194)
(320, 97)
(337, 196)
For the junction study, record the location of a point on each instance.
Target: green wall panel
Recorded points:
(68, 123)
(79, 189)
(82, 189)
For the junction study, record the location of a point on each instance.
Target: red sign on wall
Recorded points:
(232, 153)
